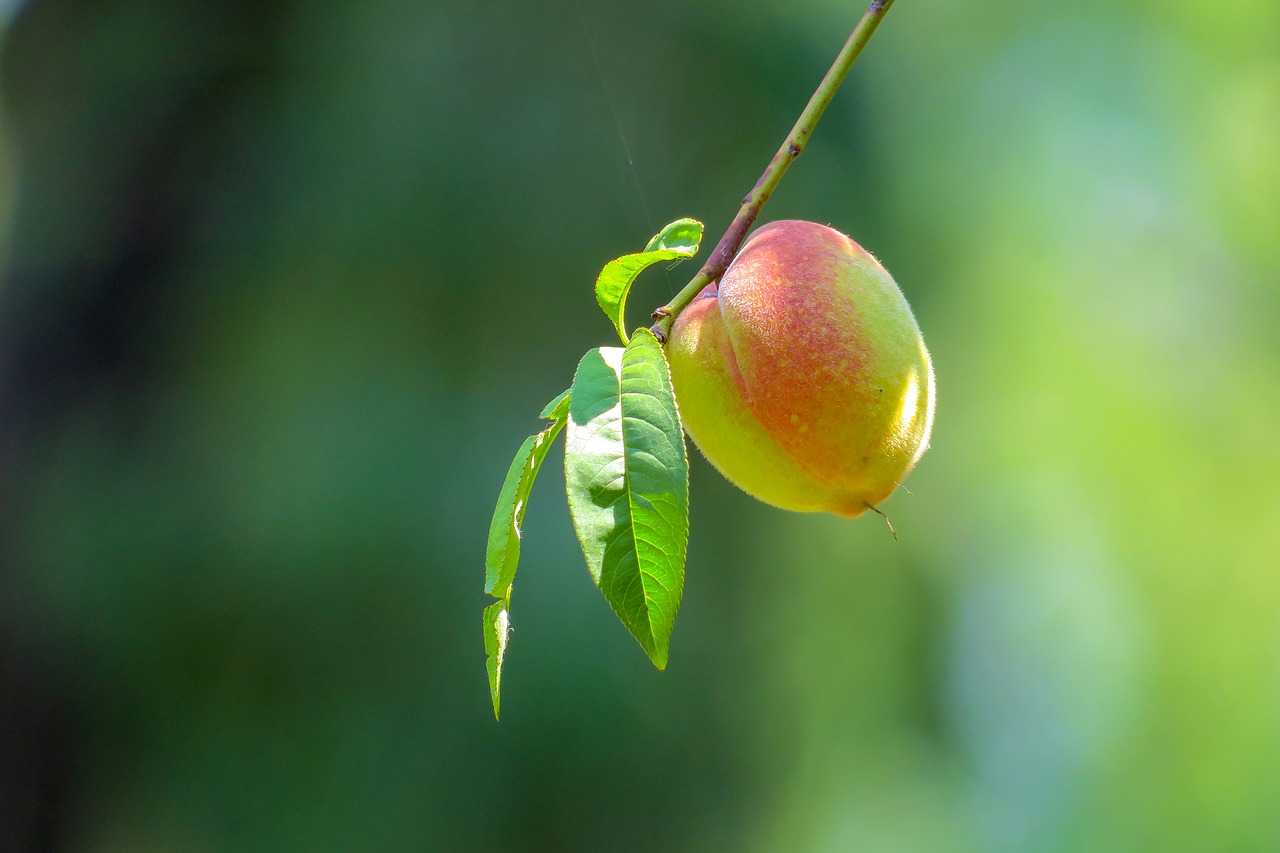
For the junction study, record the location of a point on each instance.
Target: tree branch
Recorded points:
(754, 202)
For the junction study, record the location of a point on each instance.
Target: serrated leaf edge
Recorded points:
(658, 655)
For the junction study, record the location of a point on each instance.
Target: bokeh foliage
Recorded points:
(286, 282)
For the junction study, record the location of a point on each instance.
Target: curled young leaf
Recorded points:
(677, 241)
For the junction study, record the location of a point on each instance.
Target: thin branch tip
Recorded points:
(792, 147)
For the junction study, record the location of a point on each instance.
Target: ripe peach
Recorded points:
(802, 376)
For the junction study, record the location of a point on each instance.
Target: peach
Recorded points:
(802, 375)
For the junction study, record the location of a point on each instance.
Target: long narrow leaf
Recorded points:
(505, 531)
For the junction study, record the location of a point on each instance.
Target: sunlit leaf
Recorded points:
(626, 473)
(683, 235)
(497, 628)
(505, 531)
(557, 408)
(677, 241)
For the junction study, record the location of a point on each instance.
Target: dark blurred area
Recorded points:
(286, 284)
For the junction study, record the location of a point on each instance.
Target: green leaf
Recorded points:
(508, 515)
(627, 477)
(505, 530)
(677, 241)
(497, 628)
(683, 235)
(557, 408)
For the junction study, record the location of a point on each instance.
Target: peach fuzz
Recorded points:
(802, 375)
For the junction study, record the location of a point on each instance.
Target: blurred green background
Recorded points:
(286, 284)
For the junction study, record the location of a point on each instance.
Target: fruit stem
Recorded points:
(791, 148)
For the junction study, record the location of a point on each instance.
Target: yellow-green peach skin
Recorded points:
(803, 376)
